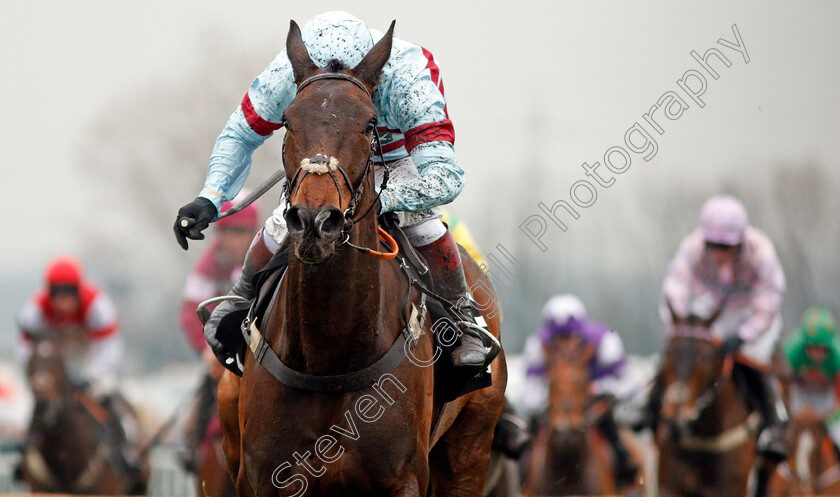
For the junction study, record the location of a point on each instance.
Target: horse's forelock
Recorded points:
(335, 65)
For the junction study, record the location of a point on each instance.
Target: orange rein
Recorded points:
(388, 240)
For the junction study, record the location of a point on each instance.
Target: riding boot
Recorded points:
(650, 414)
(477, 348)
(760, 393)
(511, 436)
(228, 348)
(625, 470)
(205, 400)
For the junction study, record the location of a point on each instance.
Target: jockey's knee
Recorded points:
(425, 232)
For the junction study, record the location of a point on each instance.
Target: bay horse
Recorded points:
(337, 315)
(568, 457)
(72, 445)
(706, 432)
(212, 476)
(812, 467)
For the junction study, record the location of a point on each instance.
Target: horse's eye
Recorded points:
(284, 122)
(370, 127)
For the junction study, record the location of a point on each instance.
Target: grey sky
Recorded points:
(534, 90)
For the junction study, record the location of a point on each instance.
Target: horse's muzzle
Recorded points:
(314, 232)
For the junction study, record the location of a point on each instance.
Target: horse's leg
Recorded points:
(227, 395)
(409, 488)
(461, 458)
(764, 470)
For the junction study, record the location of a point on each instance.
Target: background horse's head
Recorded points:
(692, 370)
(46, 372)
(330, 133)
(567, 361)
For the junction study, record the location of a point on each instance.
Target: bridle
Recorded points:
(710, 393)
(355, 192)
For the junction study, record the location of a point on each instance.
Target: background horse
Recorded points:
(813, 467)
(568, 456)
(706, 432)
(72, 445)
(338, 311)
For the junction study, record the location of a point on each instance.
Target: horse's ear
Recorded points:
(370, 68)
(302, 64)
(674, 318)
(708, 322)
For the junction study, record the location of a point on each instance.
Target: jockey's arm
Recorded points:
(105, 347)
(677, 286)
(256, 118)
(533, 398)
(30, 323)
(414, 99)
(611, 363)
(767, 296)
(198, 288)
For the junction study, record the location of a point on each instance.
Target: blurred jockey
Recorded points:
(417, 140)
(70, 308)
(565, 315)
(812, 352)
(215, 273)
(728, 265)
(76, 312)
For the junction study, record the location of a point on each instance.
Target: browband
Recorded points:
(334, 75)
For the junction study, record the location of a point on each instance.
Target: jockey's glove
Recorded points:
(731, 344)
(192, 219)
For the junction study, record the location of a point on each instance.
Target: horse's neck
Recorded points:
(566, 459)
(725, 412)
(333, 310)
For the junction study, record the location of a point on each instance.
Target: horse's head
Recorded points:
(692, 370)
(46, 371)
(328, 152)
(567, 362)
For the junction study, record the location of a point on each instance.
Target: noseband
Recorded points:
(324, 164)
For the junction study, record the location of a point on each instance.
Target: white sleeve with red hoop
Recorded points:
(412, 96)
(30, 322)
(256, 118)
(101, 319)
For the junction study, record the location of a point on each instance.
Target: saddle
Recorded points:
(267, 282)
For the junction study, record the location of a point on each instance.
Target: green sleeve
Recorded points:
(832, 364)
(794, 350)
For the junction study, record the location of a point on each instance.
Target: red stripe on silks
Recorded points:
(102, 333)
(431, 132)
(434, 71)
(258, 124)
(394, 145)
(383, 129)
(432, 65)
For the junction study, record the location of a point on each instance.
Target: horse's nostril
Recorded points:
(295, 218)
(329, 223)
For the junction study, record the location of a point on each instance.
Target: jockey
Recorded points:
(68, 306)
(812, 352)
(729, 267)
(565, 315)
(215, 273)
(417, 139)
